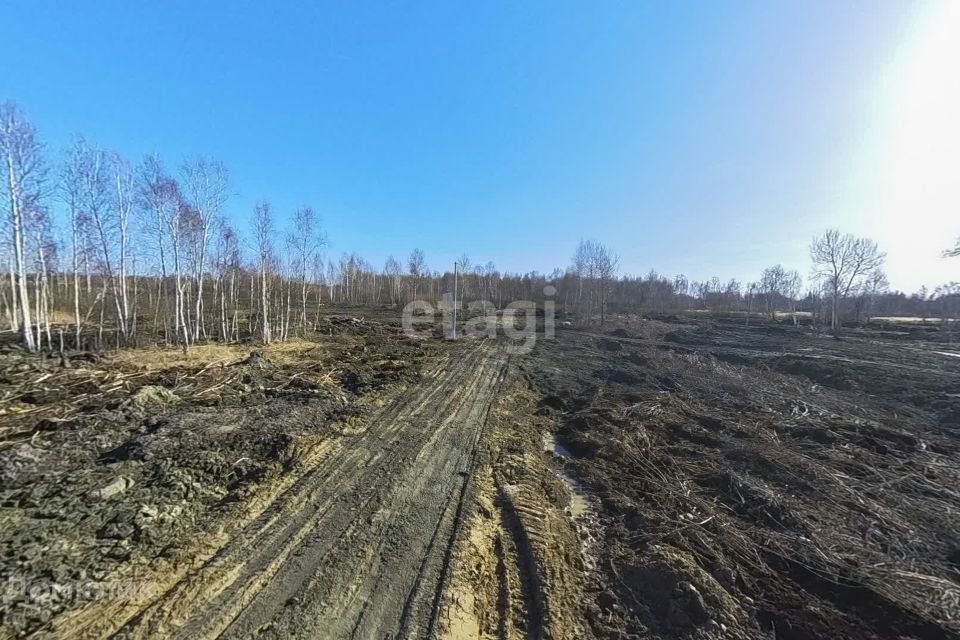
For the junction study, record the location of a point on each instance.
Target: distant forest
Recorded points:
(98, 251)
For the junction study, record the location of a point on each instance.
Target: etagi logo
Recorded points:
(21, 590)
(520, 321)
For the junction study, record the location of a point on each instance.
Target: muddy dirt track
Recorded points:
(357, 547)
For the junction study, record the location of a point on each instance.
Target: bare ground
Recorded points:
(355, 546)
(654, 479)
(763, 482)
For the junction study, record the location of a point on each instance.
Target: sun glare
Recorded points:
(918, 212)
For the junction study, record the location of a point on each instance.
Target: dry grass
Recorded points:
(40, 396)
(58, 316)
(158, 358)
(850, 532)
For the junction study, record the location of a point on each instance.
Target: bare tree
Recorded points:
(417, 264)
(594, 267)
(307, 242)
(123, 202)
(582, 268)
(26, 173)
(751, 288)
(873, 286)
(108, 201)
(205, 183)
(72, 192)
(394, 272)
(607, 264)
(777, 285)
(98, 190)
(228, 270)
(41, 245)
(791, 290)
(840, 262)
(954, 251)
(178, 224)
(263, 237)
(464, 265)
(948, 296)
(159, 199)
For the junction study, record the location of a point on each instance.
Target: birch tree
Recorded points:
(102, 206)
(263, 237)
(122, 179)
(227, 283)
(205, 182)
(394, 273)
(777, 283)
(179, 214)
(71, 190)
(40, 245)
(25, 177)
(417, 265)
(594, 267)
(158, 197)
(607, 264)
(306, 240)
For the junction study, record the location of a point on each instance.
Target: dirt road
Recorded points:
(359, 546)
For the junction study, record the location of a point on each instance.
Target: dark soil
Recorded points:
(765, 481)
(107, 469)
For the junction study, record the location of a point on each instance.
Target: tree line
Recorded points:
(140, 253)
(846, 285)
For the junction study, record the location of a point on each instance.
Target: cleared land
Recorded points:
(656, 478)
(772, 480)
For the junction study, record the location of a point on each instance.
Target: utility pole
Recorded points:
(454, 300)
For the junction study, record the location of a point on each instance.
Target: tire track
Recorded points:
(358, 546)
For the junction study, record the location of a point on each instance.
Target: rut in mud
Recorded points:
(523, 568)
(359, 545)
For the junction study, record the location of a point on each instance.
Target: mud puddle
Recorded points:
(579, 498)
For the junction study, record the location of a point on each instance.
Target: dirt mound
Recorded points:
(671, 595)
(696, 336)
(608, 344)
(618, 376)
(824, 373)
(636, 358)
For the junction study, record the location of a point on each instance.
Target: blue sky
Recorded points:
(708, 138)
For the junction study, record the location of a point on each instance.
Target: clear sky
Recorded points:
(708, 138)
